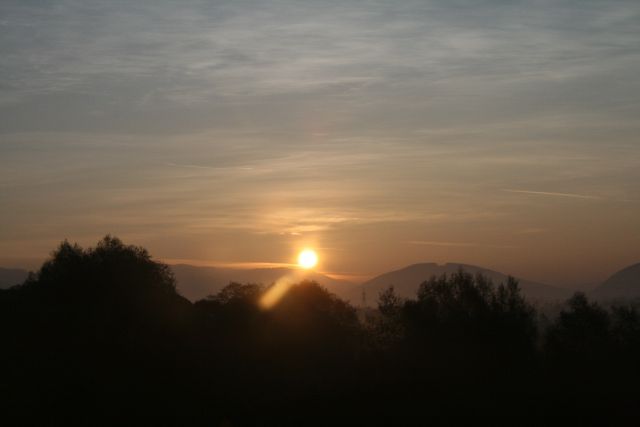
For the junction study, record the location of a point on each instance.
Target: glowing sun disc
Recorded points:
(307, 259)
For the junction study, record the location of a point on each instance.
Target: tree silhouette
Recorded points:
(95, 326)
(461, 315)
(580, 335)
(99, 335)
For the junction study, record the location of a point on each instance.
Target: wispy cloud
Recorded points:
(226, 264)
(459, 244)
(180, 55)
(435, 243)
(529, 231)
(554, 194)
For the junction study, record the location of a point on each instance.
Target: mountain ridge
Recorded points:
(197, 282)
(407, 280)
(624, 283)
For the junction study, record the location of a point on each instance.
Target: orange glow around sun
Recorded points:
(307, 259)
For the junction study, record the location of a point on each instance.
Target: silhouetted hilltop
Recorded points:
(623, 284)
(407, 280)
(11, 276)
(196, 283)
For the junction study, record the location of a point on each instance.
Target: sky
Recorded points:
(503, 134)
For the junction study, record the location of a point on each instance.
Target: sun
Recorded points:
(307, 258)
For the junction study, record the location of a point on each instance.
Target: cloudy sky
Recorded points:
(498, 133)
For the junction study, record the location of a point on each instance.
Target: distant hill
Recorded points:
(624, 284)
(196, 283)
(11, 276)
(407, 280)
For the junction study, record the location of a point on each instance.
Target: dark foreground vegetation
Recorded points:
(100, 336)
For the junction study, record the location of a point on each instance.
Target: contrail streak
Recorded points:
(547, 193)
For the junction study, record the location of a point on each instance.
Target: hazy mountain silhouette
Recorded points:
(196, 283)
(407, 280)
(11, 276)
(623, 284)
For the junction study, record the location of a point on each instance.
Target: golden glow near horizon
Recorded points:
(307, 259)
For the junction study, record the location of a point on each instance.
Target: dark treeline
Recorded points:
(100, 336)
